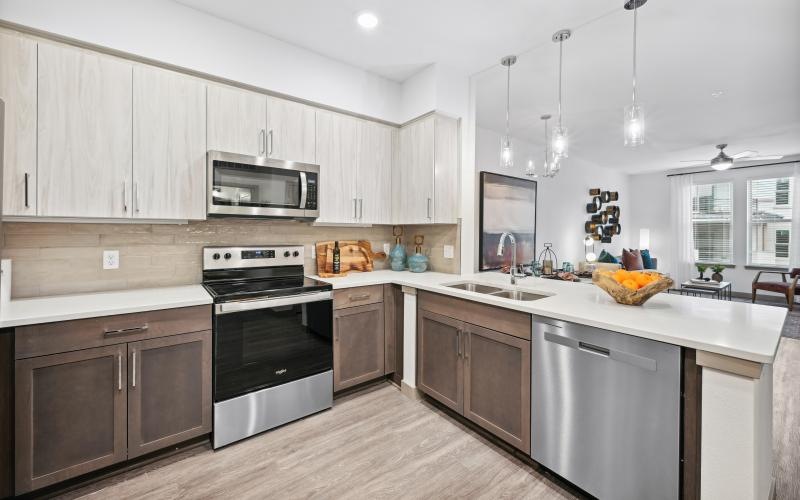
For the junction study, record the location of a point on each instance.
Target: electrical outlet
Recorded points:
(386, 248)
(449, 251)
(110, 259)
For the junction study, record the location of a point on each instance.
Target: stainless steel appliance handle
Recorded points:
(252, 305)
(303, 189)
(27, 177)
(262, 142)
(125, 331)
(133, 384)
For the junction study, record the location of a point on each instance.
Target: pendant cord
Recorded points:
(560, 59)
(635, 5)
(508, 101)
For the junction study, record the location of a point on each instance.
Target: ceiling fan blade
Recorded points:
(745, 154)
(762, 157)
(697, 163)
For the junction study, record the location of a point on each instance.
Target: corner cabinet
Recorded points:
(95, 392)
(478, 372)
(84, 133)
(18, 91)
(426, 180)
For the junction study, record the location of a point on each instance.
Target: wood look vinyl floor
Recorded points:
(380, 444)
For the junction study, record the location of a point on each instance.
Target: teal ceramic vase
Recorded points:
(397, 257)
(418, 263)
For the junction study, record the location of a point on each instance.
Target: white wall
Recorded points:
(650, 202)
(562, 200)
(176, 34)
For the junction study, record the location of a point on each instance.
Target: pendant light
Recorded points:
(634, 114)
(548, 164)
(530, 169)
(560, 139)
(506, 149)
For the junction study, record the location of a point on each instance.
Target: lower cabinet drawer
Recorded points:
(63, 336)
(351, 297)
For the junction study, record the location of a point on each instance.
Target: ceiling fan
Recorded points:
(723, 161)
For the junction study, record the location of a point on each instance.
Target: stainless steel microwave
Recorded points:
(256, 186)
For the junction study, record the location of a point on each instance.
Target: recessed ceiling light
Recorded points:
(717, 93)
(367, 20)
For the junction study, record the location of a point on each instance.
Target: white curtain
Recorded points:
(794, 241)
(681, 261)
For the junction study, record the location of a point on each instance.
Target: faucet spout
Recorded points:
(501, 247)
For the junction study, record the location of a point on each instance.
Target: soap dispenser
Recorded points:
(397, 257)
(418, 263)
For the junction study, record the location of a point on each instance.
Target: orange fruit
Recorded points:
(642, 279)
(630, 284)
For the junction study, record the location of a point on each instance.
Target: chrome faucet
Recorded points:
(501, 247)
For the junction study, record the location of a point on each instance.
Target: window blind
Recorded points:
(712, 222)
(769, 206)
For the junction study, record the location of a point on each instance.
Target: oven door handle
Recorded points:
(252, 305)
(303, 189)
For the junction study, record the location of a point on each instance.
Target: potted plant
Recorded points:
(701, 268)
(717, 276)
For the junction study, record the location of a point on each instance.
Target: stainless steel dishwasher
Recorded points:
(605, 410)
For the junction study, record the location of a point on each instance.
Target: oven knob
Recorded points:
(286, 253)
(216, 256)
(295, 254)
(227, 255)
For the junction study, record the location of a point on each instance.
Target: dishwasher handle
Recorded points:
(636, 360)
(594, 349)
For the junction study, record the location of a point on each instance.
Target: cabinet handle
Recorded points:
(355, 208)
(363, 296)
(125, 331)
(458, 343)
(262, 142)
(360, 208)
(119, 371)
(27, 177)
(467, 343)
(269, 151)
(429, 208)
(133, 354)
(136, 197)
(124, 196)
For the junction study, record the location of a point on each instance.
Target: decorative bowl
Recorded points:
(627, 296)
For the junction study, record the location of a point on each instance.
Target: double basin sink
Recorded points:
(496, 291)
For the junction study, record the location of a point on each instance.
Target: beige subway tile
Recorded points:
(72, 253)
(51, 240)
(21, 253)
(111, 240)
(110, 228)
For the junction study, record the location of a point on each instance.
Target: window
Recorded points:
(712, 216)
(770, 221)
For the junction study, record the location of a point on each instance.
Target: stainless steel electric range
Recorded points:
(273, 350)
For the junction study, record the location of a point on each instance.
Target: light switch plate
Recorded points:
(387, 248)
(449, 251)
(110, 259)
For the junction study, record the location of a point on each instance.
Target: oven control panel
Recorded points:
(243, 257)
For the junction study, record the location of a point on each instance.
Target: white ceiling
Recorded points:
(688, 49)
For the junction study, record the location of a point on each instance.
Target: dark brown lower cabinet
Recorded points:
(497, 384)
(439, 363)
(70, 415)
(480, 373)
(169, 395)
(358, 345)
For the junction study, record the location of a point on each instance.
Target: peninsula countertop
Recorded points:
(738, 329)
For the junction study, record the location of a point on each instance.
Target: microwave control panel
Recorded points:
(311, 191)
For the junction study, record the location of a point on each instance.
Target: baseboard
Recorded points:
(410, 392)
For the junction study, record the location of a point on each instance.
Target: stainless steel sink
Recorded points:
(518, 295)
(476, 287)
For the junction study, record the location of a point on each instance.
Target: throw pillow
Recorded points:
(607, 258)
(632, 260)
(647, 260)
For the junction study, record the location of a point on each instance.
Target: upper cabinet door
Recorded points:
(337, 154)
(237, 121)
(169, 145)
(291, 131)
(414, 189)
(375, 150)
(18, 91)
(84, 134)
(445, 170)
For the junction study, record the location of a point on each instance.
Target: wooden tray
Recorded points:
(354, 255)
(631, 297)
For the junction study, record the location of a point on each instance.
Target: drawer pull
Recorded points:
(133, 355)
(119, 371)
(363, 296)
(125, 331)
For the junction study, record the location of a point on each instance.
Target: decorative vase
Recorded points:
(701, 277)
(536, 268)
(398, 257)
(418, 263)
(717, 277)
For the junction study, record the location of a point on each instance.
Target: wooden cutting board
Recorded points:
(353, 256)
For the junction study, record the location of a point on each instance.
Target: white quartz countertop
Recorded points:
(89, 305)
(736, 329)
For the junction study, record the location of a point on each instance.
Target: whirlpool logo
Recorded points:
(280, 372)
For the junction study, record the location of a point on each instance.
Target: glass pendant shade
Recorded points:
(634, 125)
(560, 143)
(530, 169)
(506, 152)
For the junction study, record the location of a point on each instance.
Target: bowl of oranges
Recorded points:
(632, 288)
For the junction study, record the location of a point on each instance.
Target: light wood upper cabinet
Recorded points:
(337, 155)
(374, 180)
(84, 134)
(18, 91)
(169, 145)
(426, 175)
(291, 131)
(237, 121)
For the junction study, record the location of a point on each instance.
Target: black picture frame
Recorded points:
(485, 241)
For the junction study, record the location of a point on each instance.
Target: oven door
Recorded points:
(255, 186)
(264, 343)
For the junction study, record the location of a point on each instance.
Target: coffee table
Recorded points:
(721, 290)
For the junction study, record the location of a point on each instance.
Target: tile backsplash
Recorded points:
(59, 258)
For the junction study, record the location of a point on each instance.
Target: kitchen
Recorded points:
(162, 205)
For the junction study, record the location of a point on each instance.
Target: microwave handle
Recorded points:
(303, 189)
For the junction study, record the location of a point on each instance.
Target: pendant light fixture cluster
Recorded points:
(633, 124)
(560, 139)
